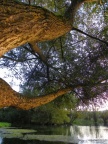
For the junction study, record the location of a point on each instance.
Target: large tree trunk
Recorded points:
(20, 23)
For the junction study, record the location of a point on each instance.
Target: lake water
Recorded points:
(55, 135)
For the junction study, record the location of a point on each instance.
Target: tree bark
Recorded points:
(9, 97)
(21, 23)
(39, 52)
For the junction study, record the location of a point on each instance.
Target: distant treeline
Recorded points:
(42, 116)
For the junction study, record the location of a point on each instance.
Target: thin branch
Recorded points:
(17, 60)
(38, 51)
(93, 37)
(61, 46)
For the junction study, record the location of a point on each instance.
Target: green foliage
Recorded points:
(5, 124)
(104, 116)
(88, 118)
(50, 114)
(83, 122)
(60, 117)
(13, 115)
(56, 112)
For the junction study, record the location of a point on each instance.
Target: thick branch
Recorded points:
(20, 23)
(17, 60)
(9, 97)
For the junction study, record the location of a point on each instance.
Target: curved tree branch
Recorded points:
(9, 97)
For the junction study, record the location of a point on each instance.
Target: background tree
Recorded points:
(104, 117)
(56, 112)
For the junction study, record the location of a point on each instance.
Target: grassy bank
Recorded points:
(5, 124)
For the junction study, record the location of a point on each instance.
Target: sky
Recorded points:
(15, 84)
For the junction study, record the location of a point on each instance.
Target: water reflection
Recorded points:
(90, 135)
(19, 141)
(1, 140)
(62, 135)
(86, 132)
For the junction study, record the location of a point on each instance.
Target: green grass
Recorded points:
(5, 124)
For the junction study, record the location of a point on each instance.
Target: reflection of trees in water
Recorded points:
(14, 141)
(1, 140)
(75, 131)
(54, 130)
(85, 131)
(94, 130)
(19, 141)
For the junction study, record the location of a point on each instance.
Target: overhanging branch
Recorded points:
(9, 97)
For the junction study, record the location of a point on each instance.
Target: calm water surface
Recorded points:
(61, 135)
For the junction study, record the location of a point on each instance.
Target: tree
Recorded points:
(55, 112)
(104, 117)
(21, 23)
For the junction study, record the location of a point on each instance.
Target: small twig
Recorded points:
(17, 60)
